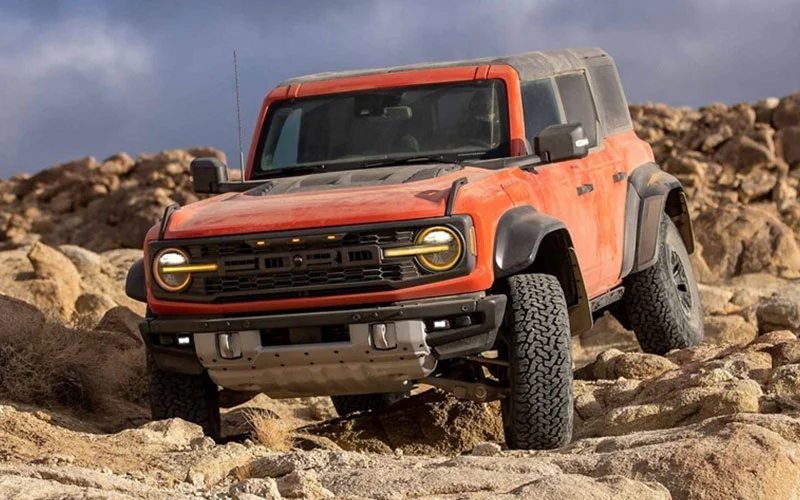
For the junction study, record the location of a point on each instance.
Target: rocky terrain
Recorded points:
(716, 421)
(100, 206)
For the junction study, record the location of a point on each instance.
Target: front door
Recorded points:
(568, 189)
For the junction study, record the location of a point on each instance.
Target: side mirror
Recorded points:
(207, 175)
(561, 142)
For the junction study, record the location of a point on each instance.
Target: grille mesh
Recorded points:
(311, 268)
(296, 280)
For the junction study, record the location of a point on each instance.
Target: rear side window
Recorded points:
(540, 106)
(578, 104)
(611, 102)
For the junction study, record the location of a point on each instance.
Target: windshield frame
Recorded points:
(503, 150)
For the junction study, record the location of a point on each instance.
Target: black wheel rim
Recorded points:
(681, 281)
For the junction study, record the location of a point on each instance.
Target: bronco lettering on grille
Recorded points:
(302, 260)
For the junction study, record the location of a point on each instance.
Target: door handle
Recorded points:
(620, 176)
(586, 188)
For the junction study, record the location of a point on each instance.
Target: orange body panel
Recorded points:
(595, 220)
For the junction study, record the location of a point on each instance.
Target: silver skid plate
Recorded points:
(312, 369)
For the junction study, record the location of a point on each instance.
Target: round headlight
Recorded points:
(444, 259)
(168, 278)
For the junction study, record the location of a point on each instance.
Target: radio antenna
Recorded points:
(238, 113)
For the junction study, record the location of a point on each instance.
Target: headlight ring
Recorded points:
(440, 236)
(172, 260)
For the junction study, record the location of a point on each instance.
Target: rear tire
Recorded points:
(537, 414)
(662, 302)
(194, 398)
(347, 405)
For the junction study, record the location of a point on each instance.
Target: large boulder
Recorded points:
(788, 140)
(786, 353)
(715, 300)
(613, 364)
(779, 312)
(56, 283)
(785, 382)
(704, 461)
(121, 319)
(49, 263)
(787, 112)
(84, 260)
(742, 153)
(765, 108)
(733, 329)
(737, 239)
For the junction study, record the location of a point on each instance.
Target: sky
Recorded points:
(86, 77)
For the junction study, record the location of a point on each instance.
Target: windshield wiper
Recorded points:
(292, 170)
(451, 158)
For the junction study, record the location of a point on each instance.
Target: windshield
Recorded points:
(464, 119)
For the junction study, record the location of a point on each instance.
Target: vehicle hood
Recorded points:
(323, 200)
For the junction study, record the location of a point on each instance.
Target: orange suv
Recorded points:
(448, 224)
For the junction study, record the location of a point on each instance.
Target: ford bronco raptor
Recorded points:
(448, 224)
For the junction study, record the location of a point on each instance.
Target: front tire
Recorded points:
(194, 398)
(537, 414)
(662, 302)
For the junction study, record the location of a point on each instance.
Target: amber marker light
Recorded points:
(473, 242)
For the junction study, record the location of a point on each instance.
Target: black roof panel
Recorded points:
(529, 65)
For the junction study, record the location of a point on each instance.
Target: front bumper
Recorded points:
(348, 365)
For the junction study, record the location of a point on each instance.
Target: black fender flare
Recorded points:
(651, 193)
(135, 287)
(521, 233)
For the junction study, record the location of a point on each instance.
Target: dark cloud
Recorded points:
(88, 77)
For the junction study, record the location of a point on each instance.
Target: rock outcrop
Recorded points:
(101, 205)
(68, 283)
(739, 165)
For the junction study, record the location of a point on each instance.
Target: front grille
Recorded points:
(305, 279)
(307, 263)
(313, 266)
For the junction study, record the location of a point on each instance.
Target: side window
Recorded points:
(611, 102)
(578, 104)
(540, 106)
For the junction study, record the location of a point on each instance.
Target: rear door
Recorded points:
(616, 125)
